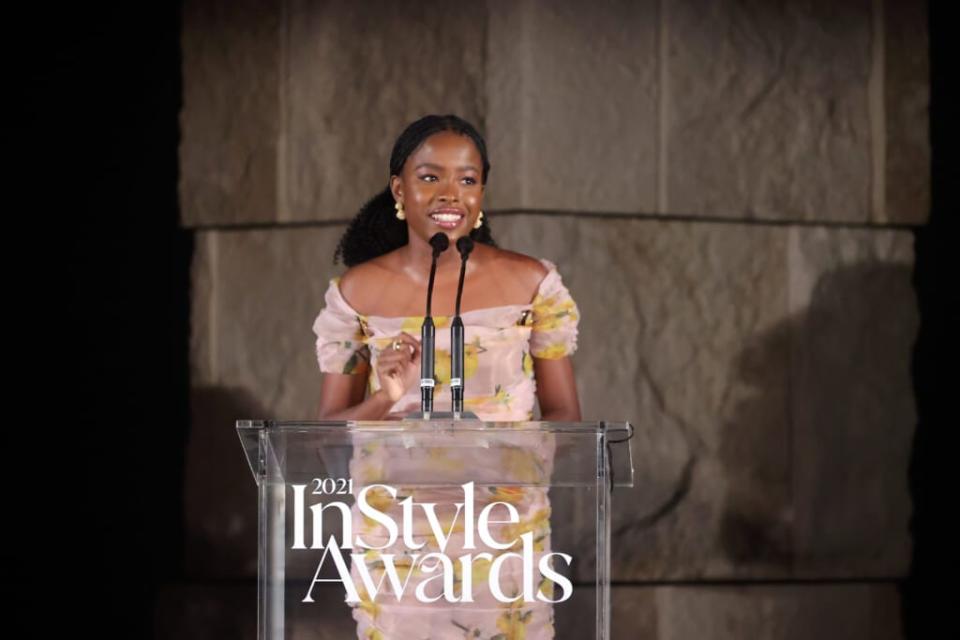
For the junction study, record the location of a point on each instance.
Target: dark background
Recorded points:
(99, 272)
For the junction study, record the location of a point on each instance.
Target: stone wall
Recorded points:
(730, 187)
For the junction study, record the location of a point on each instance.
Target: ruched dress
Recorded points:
(499, 384)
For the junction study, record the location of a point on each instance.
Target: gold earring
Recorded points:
(479, 221)
(400, 214)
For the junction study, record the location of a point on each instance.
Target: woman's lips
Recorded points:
(447, 218)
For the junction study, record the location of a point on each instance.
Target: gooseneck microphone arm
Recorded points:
(439, 242)
(464, 246)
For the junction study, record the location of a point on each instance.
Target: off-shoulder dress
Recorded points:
(500, 345)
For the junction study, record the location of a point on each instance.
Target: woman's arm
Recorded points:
(342, 397)
(556, 390)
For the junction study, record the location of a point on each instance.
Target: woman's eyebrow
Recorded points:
(430, 165)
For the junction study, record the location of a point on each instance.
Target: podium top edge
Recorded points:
(431, 425)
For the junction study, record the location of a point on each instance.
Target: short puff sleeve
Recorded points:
(341, 343)
(554, 319)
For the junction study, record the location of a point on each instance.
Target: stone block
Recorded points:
(907, 100)
(853, 414)
(712, 327)
(767, 110)
(787, 612)
(356, 75)
(256, 295)
(572, 105)
(231, 112)
(681, 301)
(766, 369)
(633, 613)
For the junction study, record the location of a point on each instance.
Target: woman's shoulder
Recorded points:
(528, 270)
(361, 284)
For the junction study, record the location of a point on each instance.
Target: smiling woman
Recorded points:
(520, 326)
(520, 321)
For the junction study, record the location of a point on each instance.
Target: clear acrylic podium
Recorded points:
(435, 529)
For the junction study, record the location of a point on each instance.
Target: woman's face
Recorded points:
(441, 186)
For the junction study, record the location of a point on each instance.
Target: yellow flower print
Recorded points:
(359, 356)
(367, 605)
(521, 465)
(471, 360)
(364, 327)
(440, 459)
(554, 351)
(479, 572)
(489, 404)
(538, 524)
(513, 495)
(441, 367)
(370, 448)
(412, 324)
(513, 623)
(552, 313)
(379, 498)
(546, 587)
(374, 634)
(527, 364)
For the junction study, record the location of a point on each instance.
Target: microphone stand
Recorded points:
(439, 242)
(464, 246)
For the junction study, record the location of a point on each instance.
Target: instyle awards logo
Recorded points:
(440, 575)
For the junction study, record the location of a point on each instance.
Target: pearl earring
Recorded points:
(479, 221)
(400, 214)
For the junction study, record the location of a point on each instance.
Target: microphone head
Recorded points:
(465, 246)
(440, 242)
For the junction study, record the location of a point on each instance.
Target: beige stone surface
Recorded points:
(783, 612)
(853, 415)
(230, 118)
(666, 308)
(788, 612)
(770, 110)
(766, 110)
(732, 348)
(356, 75)
(268, 288)
(771, 612)
(766, 369)
(572, 105)
(633, 613)
(907, 100)
(256, 295)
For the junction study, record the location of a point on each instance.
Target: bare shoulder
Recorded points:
(528, 272)
(359, 285)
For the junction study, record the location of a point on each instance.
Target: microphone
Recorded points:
(440, 242)
(464, 246)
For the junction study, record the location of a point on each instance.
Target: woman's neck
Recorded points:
(416, 256)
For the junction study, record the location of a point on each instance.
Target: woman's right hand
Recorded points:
(399, 369)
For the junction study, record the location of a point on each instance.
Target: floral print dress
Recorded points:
(500, 344)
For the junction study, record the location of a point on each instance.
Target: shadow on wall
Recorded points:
(218, 599)
(816, 457)
(221, 495)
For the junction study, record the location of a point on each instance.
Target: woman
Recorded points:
(520, 327)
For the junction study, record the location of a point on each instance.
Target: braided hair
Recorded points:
(375, 230)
